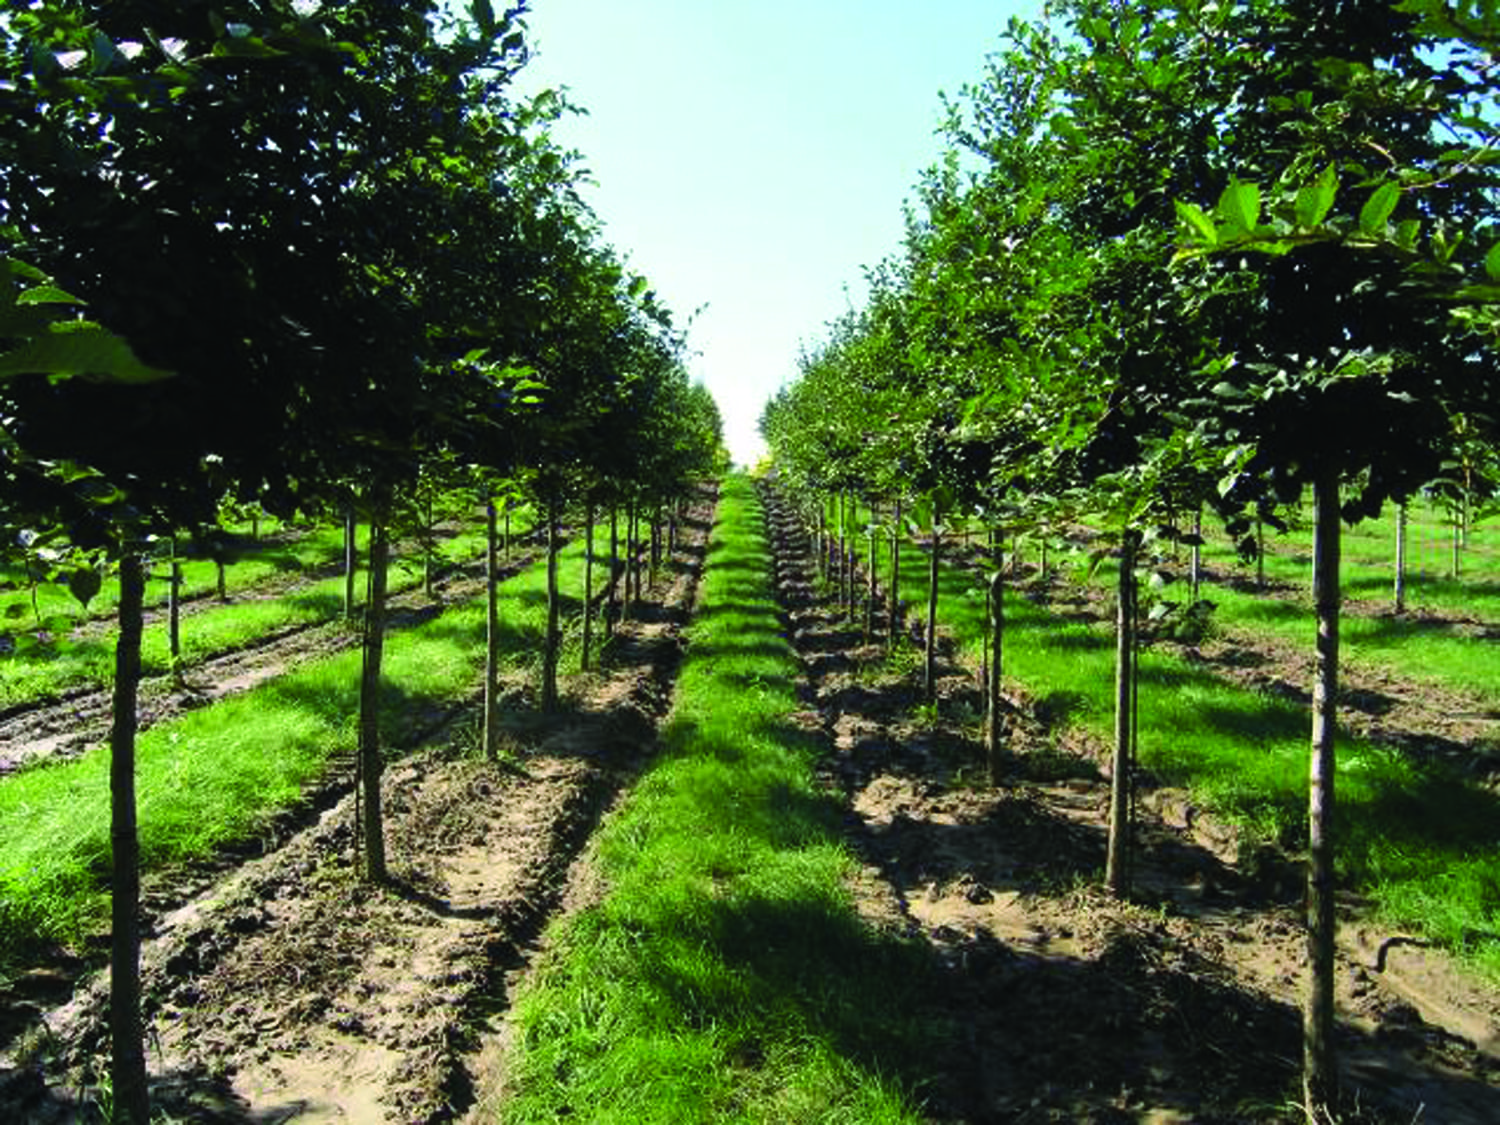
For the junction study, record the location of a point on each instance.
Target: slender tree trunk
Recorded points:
(220, 582)
(1117, 861)
(255, 527)
(1319, 1067)
(895, 583)
(843, 560)
(1400, 584)
(128, 1057)
(428, 552)
(174, 615)
(929, 661)
(632, 563)
(507, 531)
(655, 545)
(1195, 562)
(870, 588)
(992, 670)
(370, 764)
(1042, 558)
(1458, 538)
(491, 633)
(553, 641)
(1260, 554)
(351, 559)
(588, 583)
(612, 606)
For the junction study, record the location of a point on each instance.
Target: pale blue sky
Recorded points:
(754, 157)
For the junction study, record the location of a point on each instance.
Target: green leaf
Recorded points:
(484, 16)
(1316, 199)
(78, 347)
(1239, 206)
(84, 584)
(46, 295)
(1198, 222)
(1492, 262)
(1378, 208)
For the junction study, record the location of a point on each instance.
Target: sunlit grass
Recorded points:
(1425, 842)
(213, 629)
(212, 775)
(726, 975)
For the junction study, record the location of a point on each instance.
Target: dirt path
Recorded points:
(1072, 1007)
(291, 991)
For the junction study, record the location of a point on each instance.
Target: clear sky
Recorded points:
(754, 157)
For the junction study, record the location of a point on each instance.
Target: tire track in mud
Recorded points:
(1069, 1005)
(293, 991)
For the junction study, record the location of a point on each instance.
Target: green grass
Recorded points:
(726, 975)
(1424, 842)
(1369, 562)
(212, 775)
(216, 629)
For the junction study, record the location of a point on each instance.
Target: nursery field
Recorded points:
(746, 872)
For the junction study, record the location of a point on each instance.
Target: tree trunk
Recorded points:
(427, 551)
(1400, 583)
(128, 1058)
(870, 587)
(491, 633)
(1117, 861)
(351, 559)
(992, 745)
(1458, 538)
(174, 615)
(655, 545)
(507, 531)
(895, 584)
(1195, 563)
(588, 583)
(221, 585)
(632, 567)
(1319, 1068)
(553, 641)
(929, 660)
(612, 605)
(1260, 554)
(370, 764)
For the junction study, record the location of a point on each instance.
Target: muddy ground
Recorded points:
(1179, 1006)
(289, 989)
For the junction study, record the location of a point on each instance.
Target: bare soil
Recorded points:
(1179, 1005)
(292, 990)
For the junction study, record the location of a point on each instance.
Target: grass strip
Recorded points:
(1423, 841)
(209, 632)
(1369, 552)
(212, 775)
(726, 975)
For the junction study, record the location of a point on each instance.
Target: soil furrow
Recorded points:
(292, 990)
(1180, 1005)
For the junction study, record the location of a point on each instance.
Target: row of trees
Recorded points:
(329, 261)
(1181, 255)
